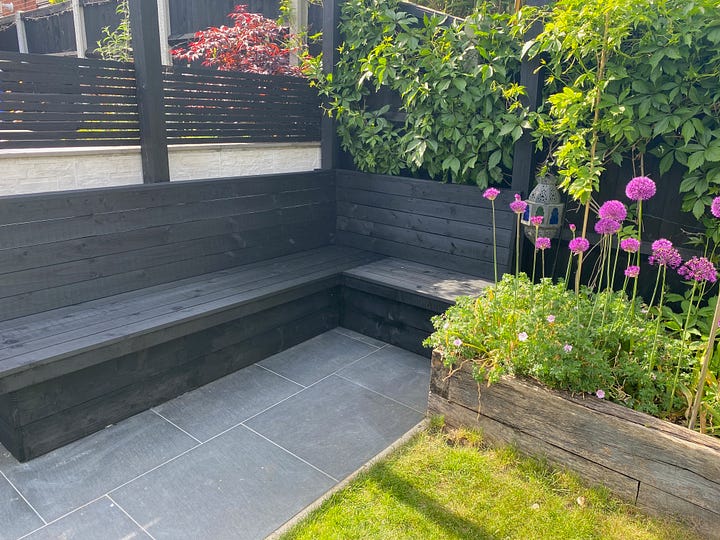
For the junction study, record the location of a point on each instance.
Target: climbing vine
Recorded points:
(457, 109)
(629, 80)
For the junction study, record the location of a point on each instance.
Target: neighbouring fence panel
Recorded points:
(443, 225)
(49, 101)
(8, 36)
(210, 106)
(50, 30)
(99, 15)
(189, 16)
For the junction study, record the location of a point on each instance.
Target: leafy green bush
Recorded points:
(631, 79)
(582, 343)
(456, 85)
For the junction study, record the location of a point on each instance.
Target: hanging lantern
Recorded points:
(544, 201)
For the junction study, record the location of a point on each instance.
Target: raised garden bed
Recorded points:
(660, 467)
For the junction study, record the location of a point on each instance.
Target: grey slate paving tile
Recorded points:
(16, 517)
(335, 425)
(220, 405)
(396, 373)
(318, 357)
(360, 337)
(237, 486)
(101, 519)
(73, 475)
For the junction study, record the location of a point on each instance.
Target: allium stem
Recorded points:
(708, 354)
(684, 332)
(659, 317)
(492, 202)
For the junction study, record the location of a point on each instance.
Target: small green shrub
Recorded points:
(587, 342)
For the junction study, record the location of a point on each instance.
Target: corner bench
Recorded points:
(114, 300)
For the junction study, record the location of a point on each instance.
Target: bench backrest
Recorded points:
(443, 225)
(63, 248)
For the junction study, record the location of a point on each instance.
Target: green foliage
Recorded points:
(117, 44)
(444, 487)
(456, 85)
(464, 8)
(591, 341)
(658, 92)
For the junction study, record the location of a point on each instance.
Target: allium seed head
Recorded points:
(542, 242)
(613, 210)
(698, 269)
(491, 193)
(630, 245)
(640, 188)
(607, 226)
(579, 245)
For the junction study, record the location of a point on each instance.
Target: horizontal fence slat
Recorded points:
(54, 101)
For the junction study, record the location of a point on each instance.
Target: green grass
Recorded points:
(449, 486)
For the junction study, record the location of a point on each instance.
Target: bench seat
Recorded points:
(70, 371)
(394, 299)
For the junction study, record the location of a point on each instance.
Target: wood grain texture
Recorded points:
(605, 436)
(55, 101)
(448, 226)
(68, 248)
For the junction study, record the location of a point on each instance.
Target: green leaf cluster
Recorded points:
(658, 93)
(546, 332)
(455, 85)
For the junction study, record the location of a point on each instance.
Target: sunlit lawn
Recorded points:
(449, 486)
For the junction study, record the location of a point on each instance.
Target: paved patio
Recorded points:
(232, 460)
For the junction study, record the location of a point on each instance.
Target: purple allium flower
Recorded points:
(536, 220)
(613, 210)
(518, 205)
(607, 226)
(491, 193)
(522, 336)
(600, 393)
(630, 245)
(699, 269)
(632, 271)
(572, 227)
(640, 188)
(550, 319)
(567, 348)
(579, 245)
(542, 242)
(715, 207)
(663, 253)
(457, 342)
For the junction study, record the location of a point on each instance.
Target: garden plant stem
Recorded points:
(700, 390)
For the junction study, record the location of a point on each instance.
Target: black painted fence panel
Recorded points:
(99, 15)
(443, 225)
(52, 101)
(50, 30)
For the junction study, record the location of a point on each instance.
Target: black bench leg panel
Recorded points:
(51, 414)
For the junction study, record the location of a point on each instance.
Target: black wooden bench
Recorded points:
(114, 300)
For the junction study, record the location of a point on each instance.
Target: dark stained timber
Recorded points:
(58, 101)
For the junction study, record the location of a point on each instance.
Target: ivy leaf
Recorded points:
(696, 160)
(712, 153)
(494, 159)
(666, 163)
(688, 131)
(698, 209)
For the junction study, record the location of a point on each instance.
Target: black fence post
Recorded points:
(151, 102)
(329, 143)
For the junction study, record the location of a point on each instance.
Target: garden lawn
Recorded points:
(450, 486)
